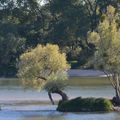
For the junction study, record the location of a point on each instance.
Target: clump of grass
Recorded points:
(85, 105)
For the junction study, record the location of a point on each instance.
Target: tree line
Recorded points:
(26, 23)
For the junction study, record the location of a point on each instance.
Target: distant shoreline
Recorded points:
(85, 73)
(76, 73)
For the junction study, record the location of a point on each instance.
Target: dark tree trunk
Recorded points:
(61, 93)
(50, 96)
(116, 99)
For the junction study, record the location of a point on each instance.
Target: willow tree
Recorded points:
(107, 55)
(44, 67)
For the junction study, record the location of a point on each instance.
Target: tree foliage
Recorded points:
(42, 64)
(62, 22)
(107, 42)
(44, 67)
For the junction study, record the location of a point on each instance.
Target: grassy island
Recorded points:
(85, 105)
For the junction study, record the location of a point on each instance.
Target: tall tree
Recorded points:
(44, 65)
(68, 26)
(107, 55)
(11, 46)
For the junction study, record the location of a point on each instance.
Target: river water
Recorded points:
(19, 104)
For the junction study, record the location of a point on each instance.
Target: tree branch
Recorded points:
(108, 76)
(50, 96)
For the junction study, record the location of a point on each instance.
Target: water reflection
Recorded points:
(80, 116)
(18, 104)
(53, 115)
(85, 87)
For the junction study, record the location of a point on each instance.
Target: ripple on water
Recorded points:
(54, 115)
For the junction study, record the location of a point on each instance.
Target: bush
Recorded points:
(85, 105)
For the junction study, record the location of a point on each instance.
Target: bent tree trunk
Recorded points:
(61, 93)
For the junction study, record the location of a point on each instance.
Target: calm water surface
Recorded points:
(19, 104)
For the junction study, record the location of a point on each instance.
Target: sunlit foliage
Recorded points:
(107, 42)
(42, 64)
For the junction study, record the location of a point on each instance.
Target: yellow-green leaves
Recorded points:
(110, 11)
(94, 37)
(42, 64)
(107, 42)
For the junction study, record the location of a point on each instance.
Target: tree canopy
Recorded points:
(107, 42)
(44, 67)
(61, 22)
(107, 55)
(42, 64)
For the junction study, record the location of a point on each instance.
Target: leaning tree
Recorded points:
(44, 67)
(107, 44)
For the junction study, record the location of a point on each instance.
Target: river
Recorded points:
(20, 104)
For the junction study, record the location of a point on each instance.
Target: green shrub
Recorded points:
(85, 105)
(102, 104)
